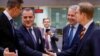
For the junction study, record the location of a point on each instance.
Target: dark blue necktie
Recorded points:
(12, 21)
(12, 25)
(30, 31)
(70, 36)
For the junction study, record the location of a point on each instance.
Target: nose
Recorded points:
(28, 18)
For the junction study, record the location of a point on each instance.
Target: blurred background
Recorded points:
(56, 10)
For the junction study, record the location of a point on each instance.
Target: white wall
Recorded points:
(39, 16)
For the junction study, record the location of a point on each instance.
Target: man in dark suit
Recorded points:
(7, 34)
(89, 43)
(72, 30)
(90, 35)
(49, 35)
(31, 42)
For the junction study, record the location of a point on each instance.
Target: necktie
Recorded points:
(82, 33)
(30, 31)
(70, 36)
(12, 25)
(11, 21)
(46, 42)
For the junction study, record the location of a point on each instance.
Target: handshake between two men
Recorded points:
(49, 53)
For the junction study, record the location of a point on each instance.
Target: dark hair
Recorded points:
(87, 8)
(14, 3)
(45, 19)
(28, 9)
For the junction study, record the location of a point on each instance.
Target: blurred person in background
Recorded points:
(49, 34)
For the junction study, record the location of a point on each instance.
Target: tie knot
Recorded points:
(12, 21)
(72, 27)
(30, 29)
(83, 29)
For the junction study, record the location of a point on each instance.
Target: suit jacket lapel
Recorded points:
(36, 34)
(65, 32)
(85, 37)
(31, 42)
(76, 37)
(6, 24)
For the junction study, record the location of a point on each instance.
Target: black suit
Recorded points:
(27, 46)
(65, 37)
(7, 37)
(88, 45)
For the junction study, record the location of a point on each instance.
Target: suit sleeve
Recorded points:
(68, 52)
(54, 37)
(95, 43)
(63, 39)
(1, 51)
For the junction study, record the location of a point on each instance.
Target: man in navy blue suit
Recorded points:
(90, 37)
(31, 42)
(72, 30)
(89, 44)
(7, 31)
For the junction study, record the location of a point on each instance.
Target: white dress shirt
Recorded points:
(7, 14)
(87, 25)
(49, 39)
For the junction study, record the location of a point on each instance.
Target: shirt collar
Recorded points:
(30, 28)
(88, 24)
(76, 25)
(7, 14)
(47, 28)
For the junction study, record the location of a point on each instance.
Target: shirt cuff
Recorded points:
(55, 54)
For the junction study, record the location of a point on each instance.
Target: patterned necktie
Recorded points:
(82, 33)
(70, 36)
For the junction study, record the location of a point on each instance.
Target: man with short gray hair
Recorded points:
(71, 31)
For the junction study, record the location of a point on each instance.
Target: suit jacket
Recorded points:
(7, 37)
(27, 46)
(53, 38)
(65, 36)
(88, 46)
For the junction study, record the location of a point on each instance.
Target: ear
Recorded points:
(83, 14)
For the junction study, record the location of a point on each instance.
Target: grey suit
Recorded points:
(53, 38)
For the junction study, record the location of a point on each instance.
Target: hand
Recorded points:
(7, 53)
(45, 55)
(50, 33)
(50, 53)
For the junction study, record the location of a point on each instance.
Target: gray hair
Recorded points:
(73, 7)
(28, 9)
